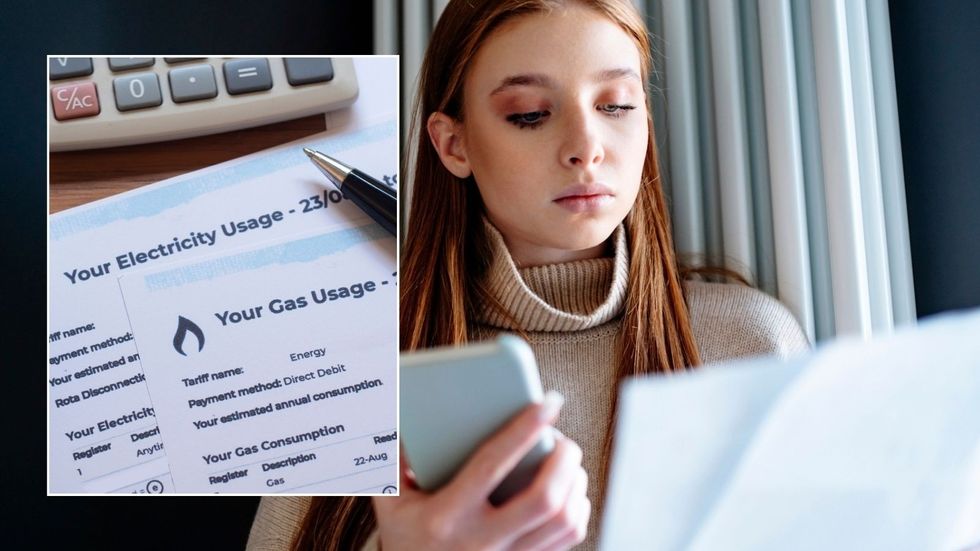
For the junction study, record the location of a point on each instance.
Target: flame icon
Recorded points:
(185, 326)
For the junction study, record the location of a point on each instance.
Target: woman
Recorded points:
(538, 209)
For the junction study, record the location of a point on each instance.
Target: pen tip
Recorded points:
(309, 152)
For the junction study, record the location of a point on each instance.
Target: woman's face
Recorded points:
(555, 132)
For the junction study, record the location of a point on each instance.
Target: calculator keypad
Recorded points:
(187, 83)
(113, 101)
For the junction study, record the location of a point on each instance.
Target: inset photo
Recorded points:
(222, 275)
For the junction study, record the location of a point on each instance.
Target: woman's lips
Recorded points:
(584, 198)
(584, 203)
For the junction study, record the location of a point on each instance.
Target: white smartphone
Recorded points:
(454, 398)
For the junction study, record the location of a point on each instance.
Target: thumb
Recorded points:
(406, 476)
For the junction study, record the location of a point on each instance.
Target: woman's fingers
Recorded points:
(551, 513)
(548, 495)
(564, 525)
(576, 534)
(498, 455)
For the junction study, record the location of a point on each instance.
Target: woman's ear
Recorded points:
(446, 136)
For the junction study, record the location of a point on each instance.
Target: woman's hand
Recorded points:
(551, 513)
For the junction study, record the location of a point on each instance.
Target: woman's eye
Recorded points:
(615, 109)
(532, 119)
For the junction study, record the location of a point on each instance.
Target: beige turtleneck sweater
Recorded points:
(572, 314)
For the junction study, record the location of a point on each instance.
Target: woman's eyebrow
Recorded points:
(616, 74)
(544, 81)
(530, 79)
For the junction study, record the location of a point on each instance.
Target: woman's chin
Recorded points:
(581, 238)
(585, 233)
(554, 240)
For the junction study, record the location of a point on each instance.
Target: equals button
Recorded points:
(247, 75)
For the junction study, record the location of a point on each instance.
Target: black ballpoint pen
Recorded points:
(376, 199)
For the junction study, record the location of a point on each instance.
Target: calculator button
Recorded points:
(193, 83)
(137, 91)
(71, 101)
(247, 75)
(307, 70)
(68, 67)
(172, 60)
(125, 63)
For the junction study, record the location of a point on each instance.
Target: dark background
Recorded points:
(936, 68)
(30, 519)
(936, 46)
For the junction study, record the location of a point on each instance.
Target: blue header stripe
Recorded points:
(155, 201)
(300, 250)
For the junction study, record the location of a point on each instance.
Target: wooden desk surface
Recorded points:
(79, 177)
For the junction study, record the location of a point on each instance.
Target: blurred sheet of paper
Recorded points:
(857, 446)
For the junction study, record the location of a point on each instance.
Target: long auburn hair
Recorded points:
(445, 255)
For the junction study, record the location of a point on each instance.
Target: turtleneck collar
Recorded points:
(569, 296)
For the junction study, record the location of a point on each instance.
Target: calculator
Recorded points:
(112, 101)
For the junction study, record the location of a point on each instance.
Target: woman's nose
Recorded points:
(581, 145)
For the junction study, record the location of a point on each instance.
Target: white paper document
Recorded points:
(857, 446)
(103, 425)
(273, 369)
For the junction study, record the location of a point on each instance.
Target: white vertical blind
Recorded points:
(737, 225)
(866, 132)
(838, 143)
(685, 163)
(780, 150)
(786, 162)
(755, 114)
(816, 205)
(713, 235)
(416, 26)
(385, 27)
(892, 173)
